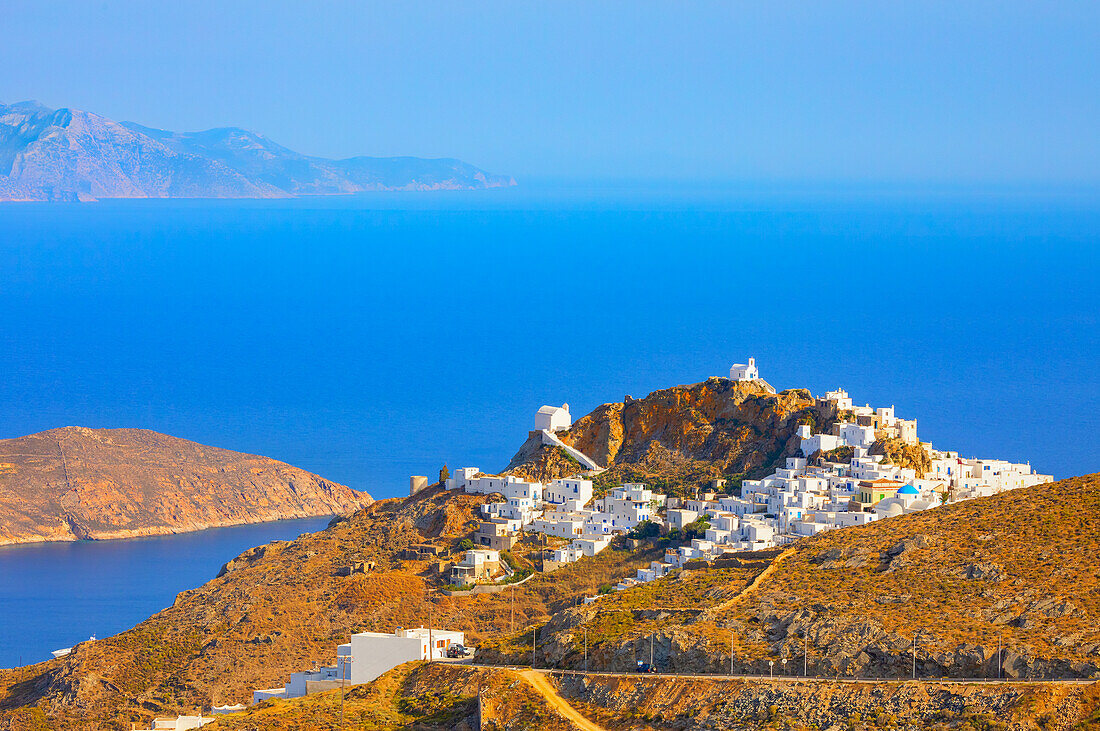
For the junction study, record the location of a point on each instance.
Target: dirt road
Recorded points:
(542, 684)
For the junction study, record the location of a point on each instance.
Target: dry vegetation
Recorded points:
(281, 607)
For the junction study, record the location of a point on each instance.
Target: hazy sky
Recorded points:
(1001, 91)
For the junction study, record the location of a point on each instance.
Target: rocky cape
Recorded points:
(75, 483)
(69, 154)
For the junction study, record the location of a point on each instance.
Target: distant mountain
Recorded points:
(75, 484)
(67, 154)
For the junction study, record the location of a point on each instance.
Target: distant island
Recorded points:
(74, 483)
(71, 155)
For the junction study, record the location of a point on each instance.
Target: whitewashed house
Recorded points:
(374, 653)
(553, 418)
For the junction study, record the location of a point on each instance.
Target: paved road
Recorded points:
(784, 678)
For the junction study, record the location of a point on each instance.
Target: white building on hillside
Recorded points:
(553, 418)
(374, 653)
(179, 723)
(567, 494)
(743, 372)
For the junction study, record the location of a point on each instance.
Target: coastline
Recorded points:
(160, 531)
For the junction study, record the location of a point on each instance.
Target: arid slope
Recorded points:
(75, 483)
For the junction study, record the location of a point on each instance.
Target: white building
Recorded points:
(581, 547)
(553, 418)
(628, 506)
(840, 396)
(179, 723)
(461, 477)
(568, 494)
(744, 372)
(305, 682)
(374, 653)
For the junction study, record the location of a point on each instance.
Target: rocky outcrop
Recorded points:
(78, 484)
(903, 455)
(717, 428)
(68, 154)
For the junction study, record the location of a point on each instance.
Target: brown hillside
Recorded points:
(280, 607)
(75, 483)
(717, 428)
(1017, 569)
(443, 696)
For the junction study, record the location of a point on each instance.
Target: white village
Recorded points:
(799, 500)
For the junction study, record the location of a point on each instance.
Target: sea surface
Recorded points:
(53, 595)
(373, 337)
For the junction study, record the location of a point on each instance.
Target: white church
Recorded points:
(553, 418)
(743, 372)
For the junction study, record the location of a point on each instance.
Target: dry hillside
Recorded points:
(1016, 570)
(439, 696)
(280, 607)
(75, 483)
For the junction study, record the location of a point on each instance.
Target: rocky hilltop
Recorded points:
(69, 154)
(714, 429)
(75, 483)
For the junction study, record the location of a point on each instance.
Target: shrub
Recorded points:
(645, 529)
(466, 544)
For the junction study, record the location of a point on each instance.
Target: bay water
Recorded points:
(369, 338)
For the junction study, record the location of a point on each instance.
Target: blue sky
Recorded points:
(986, 92)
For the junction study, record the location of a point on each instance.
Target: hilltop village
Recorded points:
(834, 483)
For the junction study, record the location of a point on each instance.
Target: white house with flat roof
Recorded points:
(374, 653)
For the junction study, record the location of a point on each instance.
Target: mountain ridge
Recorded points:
(70, 154)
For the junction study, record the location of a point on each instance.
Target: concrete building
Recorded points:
(568, 494)
(496, 534)
(374, 653)
(179, 723)
(479, 564)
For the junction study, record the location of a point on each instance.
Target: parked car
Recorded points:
(457, 650)
(644, 667)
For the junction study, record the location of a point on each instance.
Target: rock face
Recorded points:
(68, 154)
(707, 430)
(75, 483)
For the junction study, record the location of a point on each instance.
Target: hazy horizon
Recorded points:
(855, 92)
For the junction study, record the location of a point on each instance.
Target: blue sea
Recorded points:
(373, 337)
(53, 595)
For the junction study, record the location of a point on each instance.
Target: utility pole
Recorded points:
(731, 652)
(806, 654)
(915, 655)
(651, 668)
(534, 630)
(430, 648)
(512, 611)
(343, 678)
(771, 669)
(999, 676)
(586, 648)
